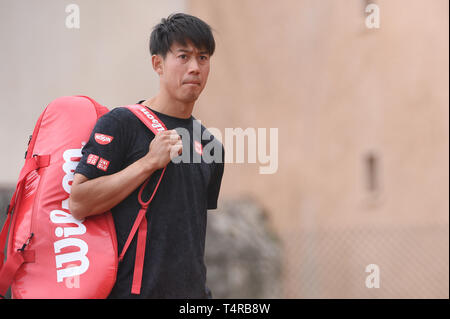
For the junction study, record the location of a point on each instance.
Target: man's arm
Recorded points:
(94, 196)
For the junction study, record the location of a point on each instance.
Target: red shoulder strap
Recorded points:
(147, 117)
(140, 224)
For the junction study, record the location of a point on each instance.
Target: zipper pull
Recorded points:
(26, 243)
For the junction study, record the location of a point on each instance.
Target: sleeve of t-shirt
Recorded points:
(103, 154)
(215, 182)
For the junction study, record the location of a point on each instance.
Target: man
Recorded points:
(181, 47)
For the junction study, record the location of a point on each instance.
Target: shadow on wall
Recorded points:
(242, 254)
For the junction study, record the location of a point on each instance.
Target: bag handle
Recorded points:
(17, 258)
(140, 224)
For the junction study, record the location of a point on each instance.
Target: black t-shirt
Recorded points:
(174, 257)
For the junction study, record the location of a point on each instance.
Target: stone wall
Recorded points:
(243, 254)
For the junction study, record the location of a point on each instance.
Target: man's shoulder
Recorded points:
(120, 113)
(118, 118)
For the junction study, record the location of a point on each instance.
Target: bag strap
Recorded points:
(30, 165)
(33, 162)
(140, 224)
(17, 258)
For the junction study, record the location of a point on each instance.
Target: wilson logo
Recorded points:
(155, 123)
(103, 139)
(75, 249)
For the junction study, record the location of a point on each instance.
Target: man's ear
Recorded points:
(157, 62)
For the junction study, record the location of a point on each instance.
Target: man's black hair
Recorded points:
(178, 28)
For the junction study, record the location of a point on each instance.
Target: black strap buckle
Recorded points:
(26, 243)
(29, 140)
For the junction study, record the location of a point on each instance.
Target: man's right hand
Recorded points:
(163, 148)
(95, 196)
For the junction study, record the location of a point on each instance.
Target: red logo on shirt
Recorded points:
(92, 159)
(198, 147)
(103, 164)
(103, 139)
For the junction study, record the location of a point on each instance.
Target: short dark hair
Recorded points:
(178, 28)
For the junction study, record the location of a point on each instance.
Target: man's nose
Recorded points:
(194, 66)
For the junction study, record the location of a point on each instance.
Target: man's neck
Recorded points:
(165, 105)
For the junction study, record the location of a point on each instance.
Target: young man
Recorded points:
(181, 47)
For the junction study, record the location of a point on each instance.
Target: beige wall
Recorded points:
(335, 89)
(338, 90)
(107, 58)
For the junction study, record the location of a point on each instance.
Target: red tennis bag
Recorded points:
(50, 254)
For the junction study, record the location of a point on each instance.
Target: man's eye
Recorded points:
(183, 56)
(203, 57)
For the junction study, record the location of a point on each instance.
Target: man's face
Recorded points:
(184, 72)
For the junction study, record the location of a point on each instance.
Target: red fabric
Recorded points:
(63, 249)
(9, 271)
(147, 117)
(16, 259)
(63, 127)
(140, 253)
(140, 224)
(140, 217)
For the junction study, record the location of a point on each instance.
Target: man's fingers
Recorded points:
(176, 150)
(171, 137)
(174, 137)
(167, 133)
